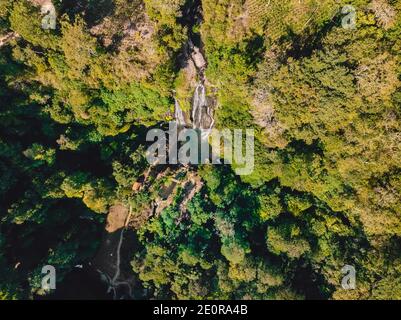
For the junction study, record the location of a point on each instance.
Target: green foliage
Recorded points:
(270, 206)
(38, 153)
(319, 96)
(287, 239)
(297, 204)
(171, 34)
(22, 21)
(96, 194)
(233, 251)
(324, 101)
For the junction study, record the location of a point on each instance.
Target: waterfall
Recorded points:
(202, 118)
(201, 112)
(178, 114)
(199, 102)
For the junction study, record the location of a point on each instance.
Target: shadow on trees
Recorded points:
(92, 10)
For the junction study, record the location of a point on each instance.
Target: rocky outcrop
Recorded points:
(7, 38)
(198, 58)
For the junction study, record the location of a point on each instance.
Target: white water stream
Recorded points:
(179, 115)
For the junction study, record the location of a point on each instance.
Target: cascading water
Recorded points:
(179, 115)
(202, 118)
(198, 102)
(201, 112)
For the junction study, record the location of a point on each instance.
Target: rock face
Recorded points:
(191, 73)
(129, 34)
(133, 33)
(41, 2)
(198, 59)
(385, 13)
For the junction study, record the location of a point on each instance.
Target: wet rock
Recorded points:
(191, 74)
